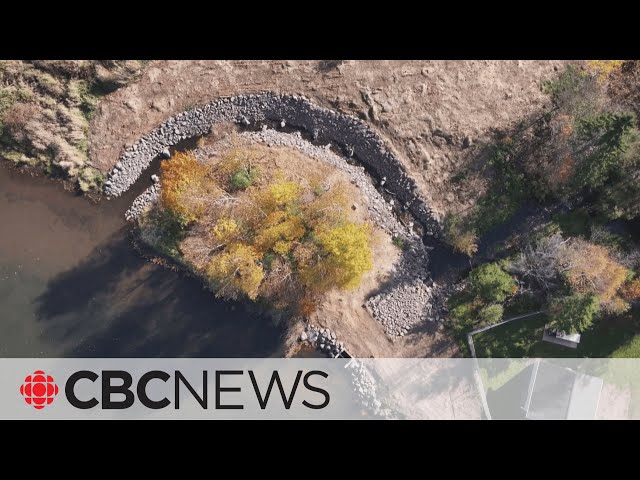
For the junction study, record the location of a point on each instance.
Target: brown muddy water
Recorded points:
(71, 285)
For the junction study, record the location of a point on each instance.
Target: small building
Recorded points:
(560, 337)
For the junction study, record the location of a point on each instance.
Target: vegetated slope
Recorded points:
(45, 109)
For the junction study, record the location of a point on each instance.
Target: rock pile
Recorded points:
(402, 307)
(147, 197)
(365, 388)
(323, 339)
(350, 133)
(363, 383)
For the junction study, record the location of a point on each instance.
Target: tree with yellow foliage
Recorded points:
(184, 186)
(225, 230)
(348, 255)
(236, 272)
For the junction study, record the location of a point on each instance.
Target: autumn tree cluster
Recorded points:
(256, 230)
(582, 279)
(574, 280)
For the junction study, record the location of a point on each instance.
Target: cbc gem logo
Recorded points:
(39, 389)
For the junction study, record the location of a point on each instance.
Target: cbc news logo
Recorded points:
(39, 389)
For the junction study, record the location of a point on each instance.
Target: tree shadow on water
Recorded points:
(116, 304)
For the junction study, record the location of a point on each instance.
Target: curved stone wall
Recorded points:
(350, 133)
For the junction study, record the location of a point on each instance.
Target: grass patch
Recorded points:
(523, 338)
(400, 243)
(630, 349)
(50, 103)
(493, 378)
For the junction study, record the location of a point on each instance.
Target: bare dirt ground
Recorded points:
(428, 111)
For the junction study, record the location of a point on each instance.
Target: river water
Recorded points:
(72, 286)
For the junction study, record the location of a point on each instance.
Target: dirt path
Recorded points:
(428, 111)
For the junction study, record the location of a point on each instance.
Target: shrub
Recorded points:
(462, 312)
(460, 236)
(225, 230)
(463, 317)
(604, 68)
(160, 229)
(491, 283)
(615, 306)
(236, 272)
(491, 314)
(574, 92)
(575, 313)
(240, 180)
(399, 242)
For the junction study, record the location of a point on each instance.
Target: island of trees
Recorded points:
(256, 225)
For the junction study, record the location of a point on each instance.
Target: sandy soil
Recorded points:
(424, 109)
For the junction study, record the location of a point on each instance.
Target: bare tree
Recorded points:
(543, 261)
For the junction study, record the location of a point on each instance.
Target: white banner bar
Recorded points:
(313, 388)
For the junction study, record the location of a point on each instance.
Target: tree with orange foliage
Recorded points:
(630, 291)
(184, 186)
(591, 269)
